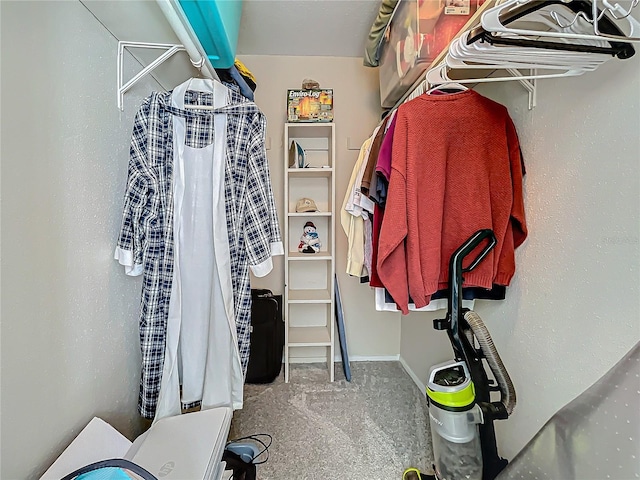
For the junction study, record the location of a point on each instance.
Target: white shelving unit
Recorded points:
(309, 277)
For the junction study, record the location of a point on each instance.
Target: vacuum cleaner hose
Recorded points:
(507, 390)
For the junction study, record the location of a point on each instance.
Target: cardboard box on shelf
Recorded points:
(315, 105)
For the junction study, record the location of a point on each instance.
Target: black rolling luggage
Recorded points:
(267, 337)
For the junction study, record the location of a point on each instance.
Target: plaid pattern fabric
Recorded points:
(147, 225)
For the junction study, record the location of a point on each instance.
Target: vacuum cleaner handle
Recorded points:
(455, 280)
(469, 246)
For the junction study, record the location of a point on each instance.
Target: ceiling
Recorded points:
(268, 27)
(335, 28)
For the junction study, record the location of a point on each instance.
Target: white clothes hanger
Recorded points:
(542, 71)
(492, 22)
(484, 52)
(462, 49)
(527, 55)
(544, 63)
(478, 64)
(478, 55)
(205, 85)
(615, 11)
(551, 19)
(621, 14)
(449, 86)
(438, 75)
(217, 90)
(543, 39)
(534, 21)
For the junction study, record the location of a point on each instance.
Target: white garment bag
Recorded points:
(201, 355)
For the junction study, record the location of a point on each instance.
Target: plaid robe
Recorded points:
(146, 243)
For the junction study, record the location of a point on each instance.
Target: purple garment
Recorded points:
(384, 157)
(383, 166)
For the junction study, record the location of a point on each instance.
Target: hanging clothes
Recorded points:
(456, 168)
(370, 168)
(244, 87)
(171, 147)
(246, 74)
(383, 304)
(351, 216)
(379, 194)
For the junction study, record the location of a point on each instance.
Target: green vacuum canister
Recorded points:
(454, 417)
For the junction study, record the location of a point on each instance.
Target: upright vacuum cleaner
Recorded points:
(461, 412)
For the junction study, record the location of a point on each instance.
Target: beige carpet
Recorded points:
(371, 428)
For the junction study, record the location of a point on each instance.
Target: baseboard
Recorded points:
(371, 358)
(414, 377)
(308, 360)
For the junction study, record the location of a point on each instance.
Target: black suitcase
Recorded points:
(267, 337)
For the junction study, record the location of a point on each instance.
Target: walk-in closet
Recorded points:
(533, 106)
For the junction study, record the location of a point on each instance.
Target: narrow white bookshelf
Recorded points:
(309, 288)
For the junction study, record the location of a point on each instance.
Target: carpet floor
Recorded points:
(370, 428)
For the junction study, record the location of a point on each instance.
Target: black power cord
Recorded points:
(256, 438)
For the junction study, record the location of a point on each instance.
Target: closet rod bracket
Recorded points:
(529, 85)
(169, 51)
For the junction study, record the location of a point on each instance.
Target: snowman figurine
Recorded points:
(309, 241)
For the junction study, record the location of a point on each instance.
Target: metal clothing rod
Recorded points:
(190, 43)
(182, 28)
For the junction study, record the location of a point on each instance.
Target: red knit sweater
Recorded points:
(456, 168)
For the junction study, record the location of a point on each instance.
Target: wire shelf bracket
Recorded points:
(529, 85)
(169, 51)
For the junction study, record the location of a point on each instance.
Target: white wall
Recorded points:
(69, 314)
(356, 113)
(572, 310)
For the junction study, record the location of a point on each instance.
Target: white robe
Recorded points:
(201, 352)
